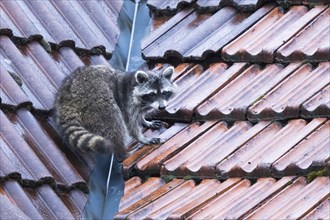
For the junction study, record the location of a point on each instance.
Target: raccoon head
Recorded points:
(154, 89)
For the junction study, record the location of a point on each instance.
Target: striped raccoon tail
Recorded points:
(79, 137)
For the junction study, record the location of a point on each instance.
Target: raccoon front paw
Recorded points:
(155, 124)
(152, 141)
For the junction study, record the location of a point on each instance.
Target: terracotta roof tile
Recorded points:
(265, 149)
(320, 212)
(255, 158)
(10, 211)
(18, 156)
(254, 82)
(312, 43)
(241, 198)
(261, 41)
(196, 86)
(318, 105)
(54, 177)
(188, 35)
(144, 190)
(164, 134)
(285, 100)
(153, 194)
(42, 202)
(85, 25)
(233, 199)
(31, 65)
(200, 157)
(132, 184)
(41, 94)
(32, 155)
(152, 162)
(170, 7)
(313, 151)
(242, 5)
(11, 93)
(241, 91)
(257, 36)
(303, 197)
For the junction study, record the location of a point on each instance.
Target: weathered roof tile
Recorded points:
(11, 92)
(318, 105)
(260, 42)
(42, 202)
(254, 82)
(312, 43)
(34, 158)
(19, 156)
(164, 134)
(39, 73)
(320, 212)
(201, 156)
(285, 100)
(198, 36)
(255, 158)
(231, 35)
(86, 25)
(313, 151)
(261, 150)
(168, 6)
(196, 86)
(152, 162)
(233, 199)
(303, 197)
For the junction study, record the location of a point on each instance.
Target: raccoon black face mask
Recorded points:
(99, 109)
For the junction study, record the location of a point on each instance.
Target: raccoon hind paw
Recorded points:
(153, 141)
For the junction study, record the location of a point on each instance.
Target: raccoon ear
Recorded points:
(168, 72)
(141, 76)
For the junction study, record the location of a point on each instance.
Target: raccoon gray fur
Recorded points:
(99, 108)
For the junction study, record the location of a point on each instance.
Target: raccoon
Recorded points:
(100, 109)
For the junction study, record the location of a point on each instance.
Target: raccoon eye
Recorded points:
(166, 94)
(149, 97)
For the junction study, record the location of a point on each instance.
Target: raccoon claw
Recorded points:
(155, 124)
(153, 141)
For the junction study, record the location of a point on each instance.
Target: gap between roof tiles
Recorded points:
(50, 46)
(170, 7)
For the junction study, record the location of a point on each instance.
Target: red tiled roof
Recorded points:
(51, 69)
(261, 42)
(249, 91)
(234, 36)
(32, 153)
(32, 156)
(167, 7)
(245, 123)
(214, 149)
(40, 202)
(88, 25)
(170, 7)
(232, 199)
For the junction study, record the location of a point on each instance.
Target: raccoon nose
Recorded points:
(161, 107)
